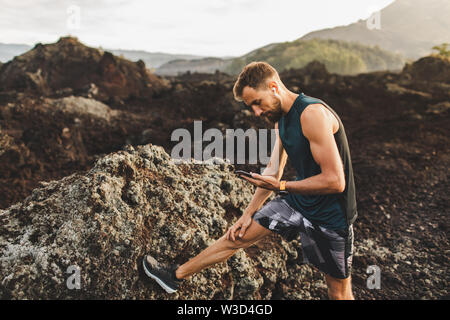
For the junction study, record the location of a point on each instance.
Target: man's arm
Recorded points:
(318, 129)
(274, 171)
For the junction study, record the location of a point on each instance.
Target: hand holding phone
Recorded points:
(248, 174)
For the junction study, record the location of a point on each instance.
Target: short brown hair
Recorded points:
(253, 75)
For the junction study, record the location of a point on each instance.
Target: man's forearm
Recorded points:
(318, 184)
(257, 201)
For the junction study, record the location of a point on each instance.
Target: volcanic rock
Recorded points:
(130, 203)
(68, 64)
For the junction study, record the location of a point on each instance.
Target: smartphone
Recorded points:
(242, 172)
(247, 174)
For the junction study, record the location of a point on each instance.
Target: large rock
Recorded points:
(130, 203)
(70, 65)
(431, 68)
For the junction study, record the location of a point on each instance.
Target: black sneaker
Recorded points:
(163, 274)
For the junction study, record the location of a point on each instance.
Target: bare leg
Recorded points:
(339, 289)
(221, 250)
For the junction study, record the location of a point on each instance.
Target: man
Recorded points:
(320, 205)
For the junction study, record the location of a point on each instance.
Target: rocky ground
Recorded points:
(76, 192)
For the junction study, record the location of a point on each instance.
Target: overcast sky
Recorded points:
(202, 27)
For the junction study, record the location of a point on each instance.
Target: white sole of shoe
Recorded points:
(160, 282)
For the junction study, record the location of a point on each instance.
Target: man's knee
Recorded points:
(252, 235)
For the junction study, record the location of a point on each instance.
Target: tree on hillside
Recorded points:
(443, 50)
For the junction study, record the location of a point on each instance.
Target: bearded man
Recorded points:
(320, 205)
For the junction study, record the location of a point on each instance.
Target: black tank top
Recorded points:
(332, 211)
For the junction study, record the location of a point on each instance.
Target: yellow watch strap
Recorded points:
(282, 185)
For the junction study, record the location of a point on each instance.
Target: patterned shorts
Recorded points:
(329, 251)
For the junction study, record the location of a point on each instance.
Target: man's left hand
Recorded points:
(265, 182)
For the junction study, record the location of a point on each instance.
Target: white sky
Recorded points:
(202, 27)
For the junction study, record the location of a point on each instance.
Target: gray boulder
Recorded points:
(100, 223)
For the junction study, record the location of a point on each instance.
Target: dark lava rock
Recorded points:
(45, 69)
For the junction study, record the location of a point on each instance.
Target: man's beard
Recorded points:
(275, 113)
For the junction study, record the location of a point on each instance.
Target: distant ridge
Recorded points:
(152, 59)
(338, 56)
(409, 27)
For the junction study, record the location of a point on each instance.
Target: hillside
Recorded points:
(44, 69)
(152, 59)
(409, 27)
(204, 65)
(338, 56)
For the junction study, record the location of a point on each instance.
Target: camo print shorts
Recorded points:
(329, 251)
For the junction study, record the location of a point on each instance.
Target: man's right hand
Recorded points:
(242, 224)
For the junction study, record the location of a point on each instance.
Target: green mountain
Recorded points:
(338, 56)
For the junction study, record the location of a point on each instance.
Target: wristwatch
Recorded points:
(283, 185)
